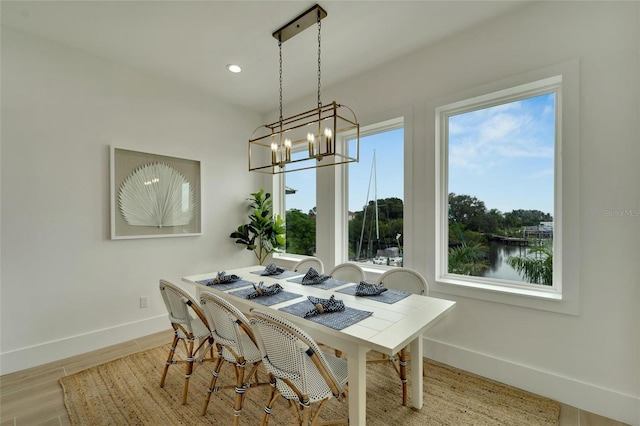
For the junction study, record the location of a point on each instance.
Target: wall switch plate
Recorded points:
(144, 301)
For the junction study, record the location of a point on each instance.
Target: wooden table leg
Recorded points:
(416, 371)
(357, 363)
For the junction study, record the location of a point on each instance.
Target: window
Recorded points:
(375, 189)
(331, 211)
(300, 208)
(498, 181)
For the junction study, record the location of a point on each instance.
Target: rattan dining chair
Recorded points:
(309, 262)
(403, 279)
(300, 372)
(349, 272)
(236, 345)
(189, 324)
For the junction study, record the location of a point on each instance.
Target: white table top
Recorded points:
(390, 328)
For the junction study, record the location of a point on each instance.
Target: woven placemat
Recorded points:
(389, 296)
(282, 296)
(335, 320)
(211, 282)
(325, 285)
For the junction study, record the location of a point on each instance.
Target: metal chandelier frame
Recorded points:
(311, 139)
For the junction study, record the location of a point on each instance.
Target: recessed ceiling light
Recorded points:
(234, 68)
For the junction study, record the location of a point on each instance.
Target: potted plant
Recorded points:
(265, 233)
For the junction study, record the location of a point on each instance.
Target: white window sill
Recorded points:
(543, 298)
(287, 257)
(287, 260)
(544, 292)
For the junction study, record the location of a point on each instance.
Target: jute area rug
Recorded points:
(127, 392)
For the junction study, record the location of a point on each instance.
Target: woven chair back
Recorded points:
(405, 279)
(229, 326)
(349, 272)
(294, 359)
(311, 262)
(179, 304)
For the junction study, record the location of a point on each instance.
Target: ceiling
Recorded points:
(193, 41)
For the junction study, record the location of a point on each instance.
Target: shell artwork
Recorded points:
(156, 195)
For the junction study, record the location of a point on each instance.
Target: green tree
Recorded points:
(536, 267)
(301, 232)
(467, 210)
(518, 218)
(492, 222)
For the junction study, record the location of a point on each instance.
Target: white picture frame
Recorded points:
(153, 195)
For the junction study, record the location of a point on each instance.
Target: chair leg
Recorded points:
(316, 415)
(188, 372)
(273, 396)
(169, 359)
(306, 415)
(240, 390)
(255, 373)
(403, 374)
(296, 409)
(215, 373)
(212, 354)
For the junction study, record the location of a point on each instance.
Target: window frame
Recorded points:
(332, 202)
(342, 199)
(502, 97)
(563, 297)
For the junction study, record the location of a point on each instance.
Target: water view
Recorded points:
(498, 266)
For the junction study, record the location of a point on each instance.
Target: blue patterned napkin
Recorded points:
(262, 290)
(366, 289)
(324, 305)
(272, 269)
(389, 296)
(313, 277)
(223, 278)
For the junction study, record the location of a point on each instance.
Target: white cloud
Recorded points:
(496, 135)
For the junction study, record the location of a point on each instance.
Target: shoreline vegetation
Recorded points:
(472, 227)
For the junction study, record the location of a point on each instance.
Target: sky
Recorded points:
(503, 155)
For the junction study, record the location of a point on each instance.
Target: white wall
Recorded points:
(590, 360)
(66, 287)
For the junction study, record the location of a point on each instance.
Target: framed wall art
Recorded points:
(154, 195)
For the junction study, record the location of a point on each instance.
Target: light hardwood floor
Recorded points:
(34, 396)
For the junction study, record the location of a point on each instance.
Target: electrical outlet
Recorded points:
(144, 301)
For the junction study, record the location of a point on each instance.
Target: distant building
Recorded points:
(542, 230)
(389, 252)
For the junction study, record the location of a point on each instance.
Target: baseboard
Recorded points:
(32, 356)
(585, 396)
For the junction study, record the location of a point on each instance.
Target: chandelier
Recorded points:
(315, 138)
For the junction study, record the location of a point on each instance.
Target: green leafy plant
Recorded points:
(468, 259)
(265, 233)
(537, 267)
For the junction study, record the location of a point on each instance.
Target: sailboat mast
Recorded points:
(366, 206)
(375, 194)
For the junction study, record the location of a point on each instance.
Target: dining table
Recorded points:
(385, 323)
